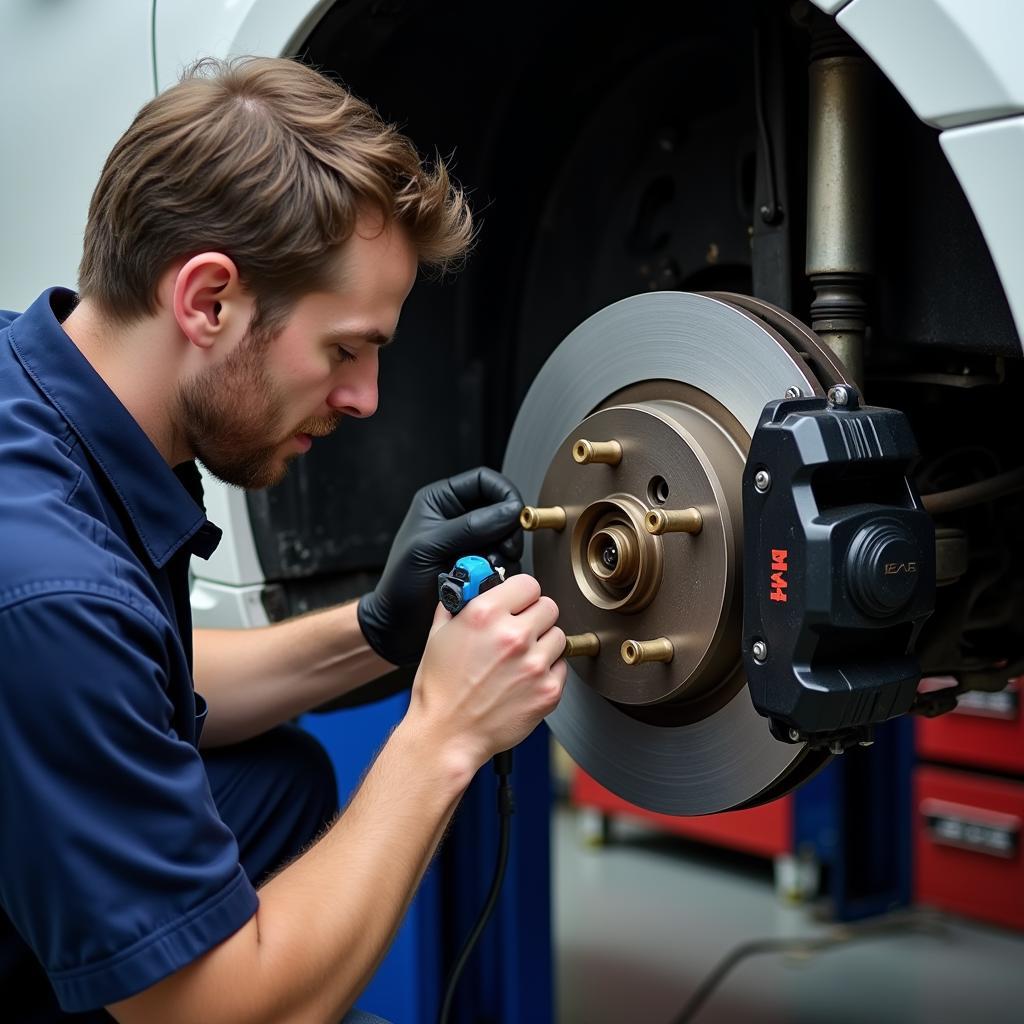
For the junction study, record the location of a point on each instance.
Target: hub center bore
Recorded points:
(610, 555)
(616, 563)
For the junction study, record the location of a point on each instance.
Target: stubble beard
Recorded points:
(232, 419)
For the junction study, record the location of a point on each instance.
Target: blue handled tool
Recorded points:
(470, 577)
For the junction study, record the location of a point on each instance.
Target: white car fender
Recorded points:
(188, 29)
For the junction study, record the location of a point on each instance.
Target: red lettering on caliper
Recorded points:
(779, 568)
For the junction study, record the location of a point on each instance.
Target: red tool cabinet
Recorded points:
(968, 844)
(985, 731)
(969, 808)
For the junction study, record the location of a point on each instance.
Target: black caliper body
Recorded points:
(839, 568)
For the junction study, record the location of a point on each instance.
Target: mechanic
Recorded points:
(252, 239)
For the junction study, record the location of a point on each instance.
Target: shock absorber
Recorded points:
(839, 259)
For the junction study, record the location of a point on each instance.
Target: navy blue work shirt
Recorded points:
(115, 868)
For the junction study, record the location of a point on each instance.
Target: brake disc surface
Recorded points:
(681, 380)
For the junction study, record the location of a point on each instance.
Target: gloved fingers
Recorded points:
(441, 500)
(511, 548)
(481, 529)
(512, 566)
(482, 486)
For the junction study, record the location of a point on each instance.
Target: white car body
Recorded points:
(74, 74)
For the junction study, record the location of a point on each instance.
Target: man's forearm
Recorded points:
(325, 921)
(254, 679)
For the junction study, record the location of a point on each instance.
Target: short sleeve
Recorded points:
(117, 870)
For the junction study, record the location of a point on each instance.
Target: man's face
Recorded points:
(246, 417)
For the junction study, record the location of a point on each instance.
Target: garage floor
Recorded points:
(639, 923)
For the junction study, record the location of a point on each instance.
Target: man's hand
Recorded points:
(476, 512)
(491, 673)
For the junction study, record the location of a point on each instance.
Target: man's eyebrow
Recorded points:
(372, 336)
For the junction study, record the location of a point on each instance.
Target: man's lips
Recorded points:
(304, 437)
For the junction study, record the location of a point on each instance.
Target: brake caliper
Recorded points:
(839, 568)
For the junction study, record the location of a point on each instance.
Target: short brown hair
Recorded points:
(265, 160)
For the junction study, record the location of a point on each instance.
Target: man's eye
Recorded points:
(343, 354)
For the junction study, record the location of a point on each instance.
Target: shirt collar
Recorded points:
(164, 505)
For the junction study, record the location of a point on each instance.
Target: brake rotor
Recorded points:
(678, 381)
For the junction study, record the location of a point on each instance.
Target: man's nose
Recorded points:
(357, 396)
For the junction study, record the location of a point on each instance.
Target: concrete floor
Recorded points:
(640, 922)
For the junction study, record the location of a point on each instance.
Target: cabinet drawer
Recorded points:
(986, 731)
(968, 844)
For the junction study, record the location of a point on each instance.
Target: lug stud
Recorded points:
(676, 520)
(585, 645)
(552, 518)
(585, 452)
(639, 652)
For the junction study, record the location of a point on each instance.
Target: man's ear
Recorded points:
(209, 303)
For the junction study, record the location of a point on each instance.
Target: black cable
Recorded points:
(839, 936)
(728, 962)
(506, 808)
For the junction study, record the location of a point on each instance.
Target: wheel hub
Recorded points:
(611, 576)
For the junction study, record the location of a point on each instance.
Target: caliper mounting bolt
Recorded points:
(838, 396)
(762, 480)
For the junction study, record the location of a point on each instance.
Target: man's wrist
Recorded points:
(452, 762)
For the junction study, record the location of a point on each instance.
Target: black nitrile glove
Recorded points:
(474, 513)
